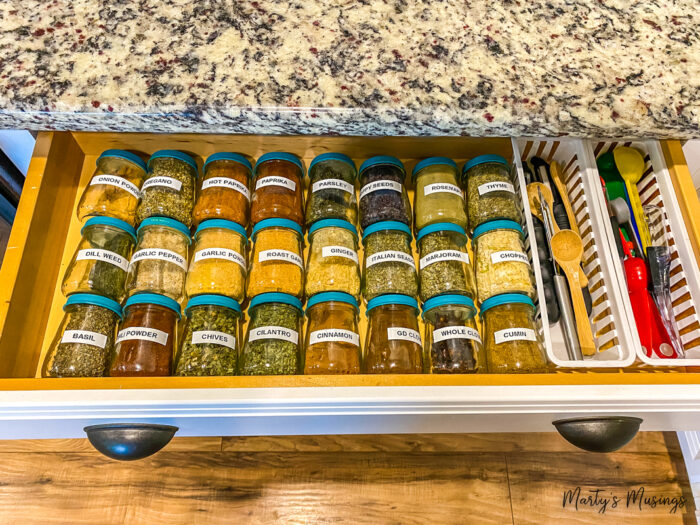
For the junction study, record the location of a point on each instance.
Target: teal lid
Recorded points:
(223, 223)
(274, 297)
(225, 155)
(110, 221)
(384, 226)
(279, 155)
(173, 154)
(325, 297)
(383, 160)
(506, 298)
(272, 223)
(168, 223)
(153, 298)
(447, 300)
(123, 154)
(95, 300)
(331, 223)
(216, 300)
(333, 156)
(496, 225)
(441, 227)
(434, 161)
(392, 298)
(483, 159)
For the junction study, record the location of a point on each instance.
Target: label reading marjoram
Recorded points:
(226, 182)
(159, 254)
(455, 332)
(509, 256)
(496, 186)
(84, 337)
(441, 187)
(144, 334)
(332, 184)
(514, 334)
(335, 335)
(281, 255)
(444, 255)
(404, 334)
(380, 185)
(276, 181)
(167, 182)
(104, 256)
(212, 337)
(390, 256)
(274, 332)
(118, 182)
(220, 253)
(339, 251)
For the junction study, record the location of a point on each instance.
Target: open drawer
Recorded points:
(46, 231)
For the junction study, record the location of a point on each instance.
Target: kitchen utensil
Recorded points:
(614, 184)
(630, 164)
(613, 222)
(557, 206)
(558, 179)
(624, 217)
(534, 190)
(567, 249)
(546, 271)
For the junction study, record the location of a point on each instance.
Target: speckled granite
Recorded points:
(408, 67)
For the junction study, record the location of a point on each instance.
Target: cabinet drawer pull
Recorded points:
(129, 441)
(599, 434)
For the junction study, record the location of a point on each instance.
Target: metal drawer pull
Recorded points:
(599, 434)
(129, 441)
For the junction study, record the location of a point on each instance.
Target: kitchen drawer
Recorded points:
(46, 232)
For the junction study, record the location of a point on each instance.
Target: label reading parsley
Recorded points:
(332, 184)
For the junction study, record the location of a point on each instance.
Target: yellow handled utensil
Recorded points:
(558, 179)
(630, 164)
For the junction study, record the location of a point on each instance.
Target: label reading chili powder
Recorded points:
(167, 182)
(144, 334)
(514, 334)
(442, 188)
(276, 181)
(444, 255)
(281, 255)
(84, 337)
(335, 335)
(496, 186)
(206, 337)
(339, 251)
(380, 185)
(332, 184)
(390, 256)
(96, 254)
(220, 253)
(274, 332)
(455, 332)
(161, 255)
(117, 182)
(404, 334)
(225, 182)
(509, 256)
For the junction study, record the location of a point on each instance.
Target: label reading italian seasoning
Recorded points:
(390, 256)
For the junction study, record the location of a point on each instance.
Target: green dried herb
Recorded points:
(444, 276)
(332, 203)
(271, 356)
(166, 202)
(488, 206)
(390, 276)
(105, 278)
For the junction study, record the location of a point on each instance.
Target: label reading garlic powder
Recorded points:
(206, 337)
(159, 254)
(390, 256)
(117, 182)
(273, 180)
(514, 334)
(220, 253)
(380, 185)
(281, 255)
(144, 334)
(167, 182)
(404, 334)
(496, 186)
(455, 332)
(444, 255)
(274, 332)
(429, 189)
(339, 251)
(226, 182)
(84, 337)
(96, 254)
(509, 256)
(332, 184)
(334, 334)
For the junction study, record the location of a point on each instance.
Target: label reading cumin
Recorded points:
(514, 334)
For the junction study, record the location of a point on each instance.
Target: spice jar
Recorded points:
(272, 342)
(511, 340)
(85, 339)
(444, 264)
(159, 263)
(101, 260)
(332, 335)
(146, 336)
(209, 338)
(332, 191)
(278, 188)
(383, 196)
(393, 344)
(502, 266)
(168, 190)
(490, 190)
(438, 197)
(224, 193)
(389, 267)
(333, 264)
(219, 262)
(276, 264)
(114, 187)
(451, 336)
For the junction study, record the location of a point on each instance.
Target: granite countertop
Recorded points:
(614, 68)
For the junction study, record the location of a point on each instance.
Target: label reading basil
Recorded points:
(276, 181)
(117, 182)
(96, 254)
(220, 253)
(84, 337)
(390, 256)
(514, 334)
(339, 251)
(144, 334)
(207, 337)
(404, 334)
(496, 186)
(444, 255)
(167, 182)
(159, 254)
(226, 182)
(509, 256)
(274, 332)
(429, 189)
(332, 184)
(455, 332)
(380, 185)
(335, 335)
(281, 255)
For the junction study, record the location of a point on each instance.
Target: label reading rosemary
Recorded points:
(97, 254)
(220, 253)
(332, 184)
(274, 332)
(226, 182)
(117, 182)
(496, 186)
(444, 255)
(455, 332)
(280, 255)
(159, 254)
(276, 181)
(205, 337)
(442, 187)
(509, 256)
(514, 334)
(380, 185)
(167, 182)
(404, 334)
(390, 256)
(339, 251)
(85, 337)
(144, 334)
(336, 335)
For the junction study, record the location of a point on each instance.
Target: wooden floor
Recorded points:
(396, 479)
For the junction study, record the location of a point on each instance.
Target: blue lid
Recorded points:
(225, 155)
(223, 223)
(434, 161)
(505, 298)
(153, 298)
(168, 223)
(110, 221)
(123, 154)
(274, 297)
(279, 155)
(271, 223)
(330, 223)
(383, 160)
(483, 159)
(174, 154)
(95, 300)
(446, 300)
(333, 156)
(496, 225)
(325, 297)
(384, 226)
(392, 298)
(441, 227)
(217, 300)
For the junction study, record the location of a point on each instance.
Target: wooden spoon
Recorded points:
(567, 250)
(558, 180)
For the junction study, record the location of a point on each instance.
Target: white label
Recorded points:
(380, 185)
(143, 334)
(336, 335)
(281, 255)
(514, 334)
(455, 332)
(220, 253)
(167, 182)
(276, 181)
(390, 256)
(159, 254)
(118, 182)
(95, 254)
(339, 251)
(226, 182)
(274, 332)
(84, 337)
(496, 186)
(444, 255)
(509, 256)
(404, 334)
(332, 184)
(212, 337)
(442, 188)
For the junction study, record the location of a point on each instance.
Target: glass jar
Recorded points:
(383, 196)
(85, 339)
(225, 190)
(332, 191)
(114, 187)
(444, 264)
(219, 261)
(389, 267)
(101, 260)
(159, 262)
(272, 342)
(333, 264)
(438, 197)
(278, 188)
(393, 344)
(502, 265)
(333, 335)
(451, 336)
(209, 338)
(490, 190)
(511, 340)
(169, 188)
(146, 337)
(276, 264)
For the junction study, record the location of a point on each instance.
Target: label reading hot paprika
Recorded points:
(226, 182)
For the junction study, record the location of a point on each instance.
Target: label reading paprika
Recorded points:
(276, 181)
(514, 334)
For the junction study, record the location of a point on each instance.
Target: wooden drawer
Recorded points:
(46, 232)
